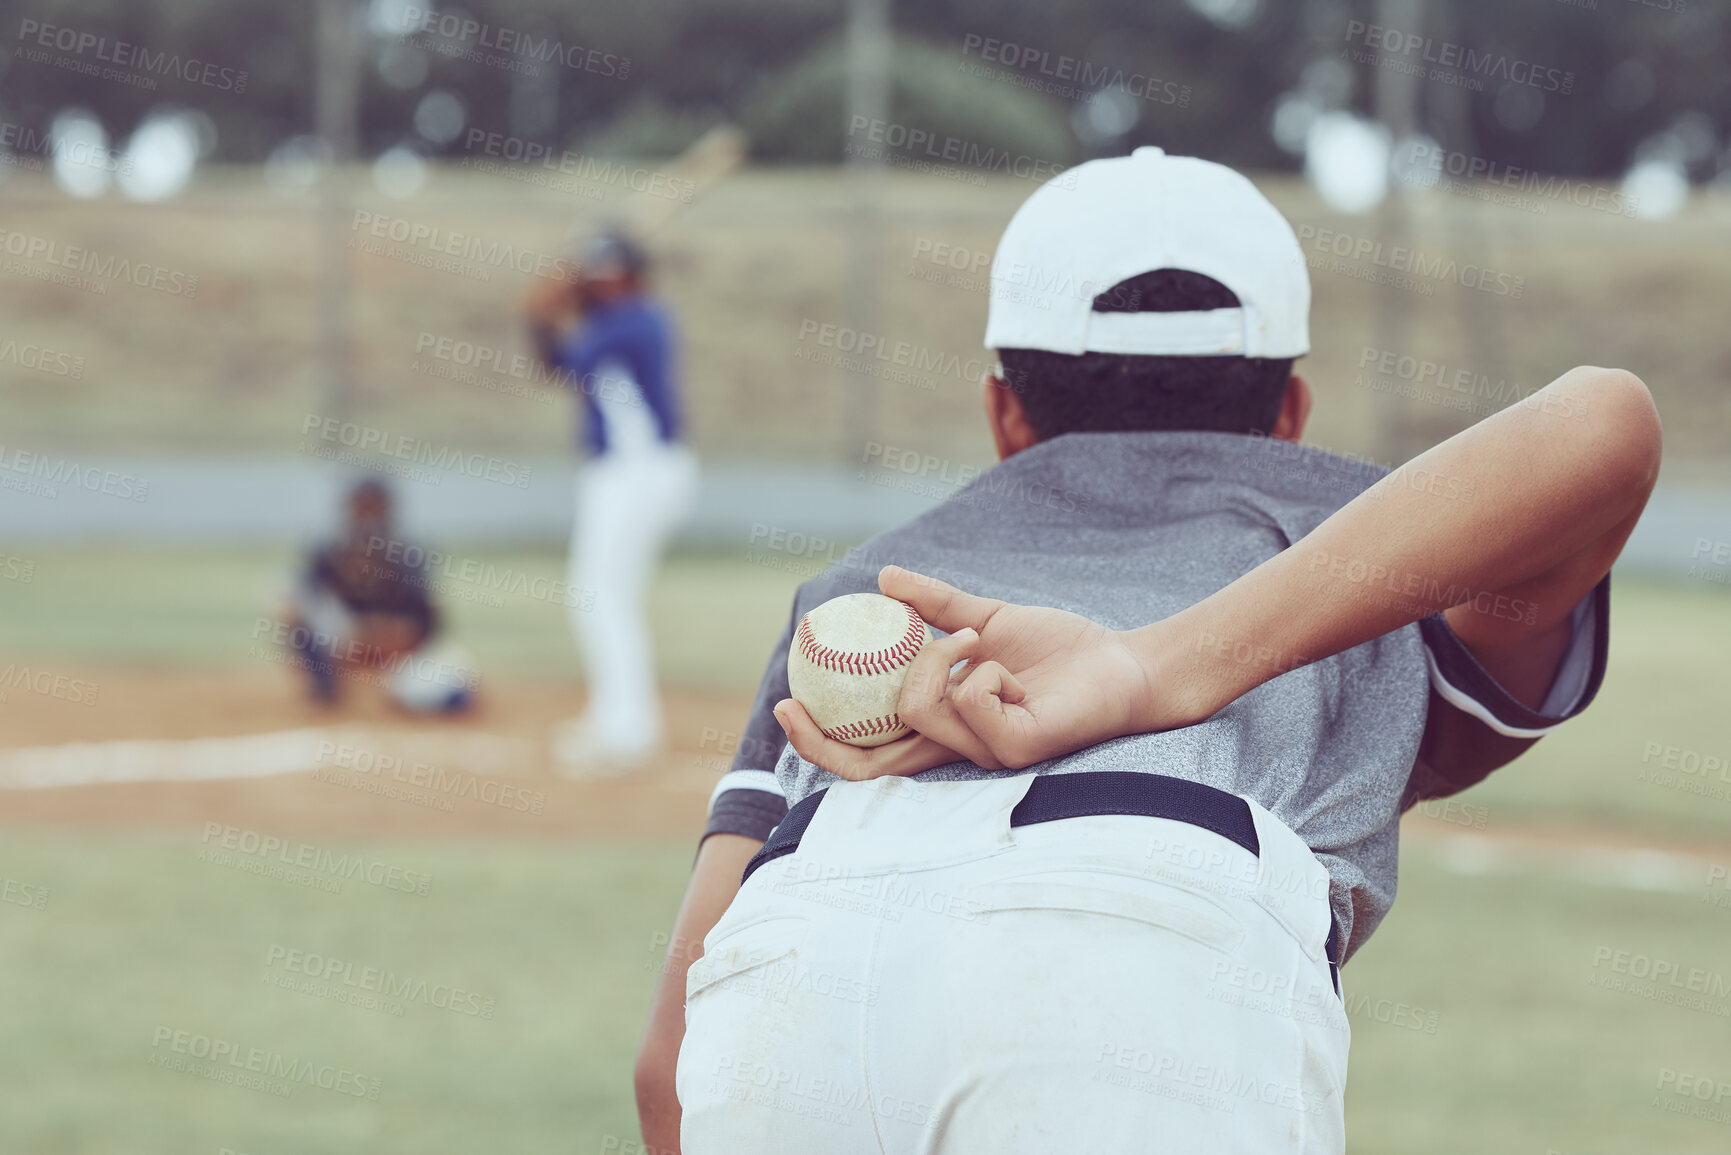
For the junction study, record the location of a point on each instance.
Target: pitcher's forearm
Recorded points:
(1482, 517)
(714, 882)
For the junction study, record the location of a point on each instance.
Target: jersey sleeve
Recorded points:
(749, 800)
(583, 348)
(656, 368)
(1458, 678)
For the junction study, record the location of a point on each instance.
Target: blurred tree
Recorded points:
(801, 115)
(1637, 68)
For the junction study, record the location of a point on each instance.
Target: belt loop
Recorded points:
(1333, 951)
(784, 839)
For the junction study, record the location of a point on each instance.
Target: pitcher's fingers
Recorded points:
(904, 756)
(927, 680)
(988, 703)
(924, 700)
(943, 605)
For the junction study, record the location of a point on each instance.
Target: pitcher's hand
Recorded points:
(1037, 683)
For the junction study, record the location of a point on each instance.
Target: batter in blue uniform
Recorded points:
(612, 345)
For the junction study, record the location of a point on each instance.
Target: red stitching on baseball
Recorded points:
(852, 731)
(875, 662)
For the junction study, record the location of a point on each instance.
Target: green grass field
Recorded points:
(717, 617)
(1516, 1052)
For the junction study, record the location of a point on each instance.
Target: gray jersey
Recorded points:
(1129, 528)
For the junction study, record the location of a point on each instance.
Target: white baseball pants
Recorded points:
(920, 977)
(628, 505)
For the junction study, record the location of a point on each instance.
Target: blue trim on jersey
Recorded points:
(633, 332)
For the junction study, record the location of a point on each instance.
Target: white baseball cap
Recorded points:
(1109, 220)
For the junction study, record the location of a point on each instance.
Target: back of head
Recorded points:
(1149, 293)
(1122, 392)
(612, 254)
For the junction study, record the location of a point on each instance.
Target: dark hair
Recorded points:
(1122, 392)
(370, 489)
(613, 246)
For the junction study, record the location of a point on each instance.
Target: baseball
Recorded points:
(847, 662)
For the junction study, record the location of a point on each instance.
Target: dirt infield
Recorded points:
(361, 768)
(261, 758)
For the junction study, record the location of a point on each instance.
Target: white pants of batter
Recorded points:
(627, 506)
(919, 977)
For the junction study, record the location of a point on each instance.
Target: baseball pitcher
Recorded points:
(1100, 900)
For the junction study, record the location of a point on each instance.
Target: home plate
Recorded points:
(260, 756)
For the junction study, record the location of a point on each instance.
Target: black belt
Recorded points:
(1054, 796)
